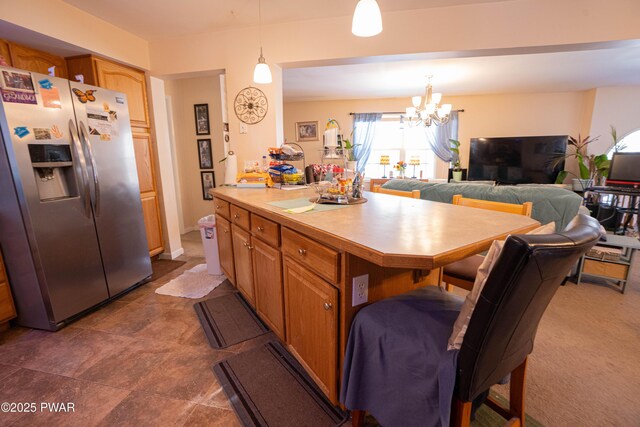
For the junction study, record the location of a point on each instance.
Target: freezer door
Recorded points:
(103, 120)
(38, 124)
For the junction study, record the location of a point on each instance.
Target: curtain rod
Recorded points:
(399, 112)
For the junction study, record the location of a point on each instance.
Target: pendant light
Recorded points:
(367, 20)
(262, 72)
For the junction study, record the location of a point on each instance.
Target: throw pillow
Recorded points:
(460, 326)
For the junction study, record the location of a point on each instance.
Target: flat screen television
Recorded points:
(518, 159)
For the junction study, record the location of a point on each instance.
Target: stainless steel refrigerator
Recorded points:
(71, 225)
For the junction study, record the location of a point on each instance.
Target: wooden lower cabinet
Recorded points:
(244, 266)
(311, 307)
(267, 279)
(152, 223)
(225, 248)
(7, 308)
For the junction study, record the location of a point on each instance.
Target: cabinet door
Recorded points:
(144, 162)
(242, 258)
(7, 309)
(4, 52)
(225, 248)
(267, 279)
(311, 306)
(129, 81)
(152, 224)
(35, 60)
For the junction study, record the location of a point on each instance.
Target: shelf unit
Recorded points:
(287, 159)
(616, 270)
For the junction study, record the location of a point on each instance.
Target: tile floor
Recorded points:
(141, 360)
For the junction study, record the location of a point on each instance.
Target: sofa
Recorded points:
(549, 203)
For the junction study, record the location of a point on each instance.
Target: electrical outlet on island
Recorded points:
(360, 290)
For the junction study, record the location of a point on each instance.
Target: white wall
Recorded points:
(64, 22)
(165, 170)
(184, 94)
(618, 107)
(523, 114)
(516, 26)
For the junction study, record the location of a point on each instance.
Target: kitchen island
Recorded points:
(298, 270)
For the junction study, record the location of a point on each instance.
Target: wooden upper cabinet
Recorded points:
(129, 81)
(110, 75)
(4, 51)
(37, 61)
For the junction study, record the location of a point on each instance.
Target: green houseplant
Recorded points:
(352, 160)
(592, 168)
(455, 151)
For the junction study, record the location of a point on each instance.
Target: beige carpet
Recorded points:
(585, 366)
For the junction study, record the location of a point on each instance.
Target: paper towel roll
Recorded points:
(331, 138)
(230, 169)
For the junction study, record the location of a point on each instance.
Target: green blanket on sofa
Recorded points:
(549, 203)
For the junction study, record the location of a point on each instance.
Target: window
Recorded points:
(628, 144)
(400, 142)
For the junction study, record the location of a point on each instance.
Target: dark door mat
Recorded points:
(162, 267)
(228, 320)
(268, 387)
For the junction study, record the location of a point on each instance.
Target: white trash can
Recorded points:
(207, 226)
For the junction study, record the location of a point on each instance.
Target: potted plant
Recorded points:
(592, 168)
(352, 160)
(455, 160)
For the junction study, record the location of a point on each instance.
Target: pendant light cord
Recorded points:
(260, 24)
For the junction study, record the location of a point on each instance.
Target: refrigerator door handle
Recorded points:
(84, 176)
(84, 136)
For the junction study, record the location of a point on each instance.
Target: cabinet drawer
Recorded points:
(221, 207)
(240, 217)
(7, 311)
(600, 268)
(317, 257)
(266, 230)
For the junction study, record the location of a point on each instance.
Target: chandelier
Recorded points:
(429, 110)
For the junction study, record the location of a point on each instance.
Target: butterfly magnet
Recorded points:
(85, 96)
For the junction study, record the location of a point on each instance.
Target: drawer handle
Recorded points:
(218, 206)
(327, 306)
(225, 230)
(247, 245)
(236, 216)
(302, 252)
(260, 228)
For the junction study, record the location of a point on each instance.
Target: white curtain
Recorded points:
(364, 128)
(438, 137)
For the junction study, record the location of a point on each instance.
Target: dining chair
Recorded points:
(414, 194)
(463, 273)
(397, 365)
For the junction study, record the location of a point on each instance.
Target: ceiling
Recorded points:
(379, 77)
(155, 20)
(540, 72)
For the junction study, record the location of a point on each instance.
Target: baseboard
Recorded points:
(173, 255)
(190, 229)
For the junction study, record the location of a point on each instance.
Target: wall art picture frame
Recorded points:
(205, 155)
(208, 181)
(306, 131)
(201, 112)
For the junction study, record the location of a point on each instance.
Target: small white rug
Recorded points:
(194, 283)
